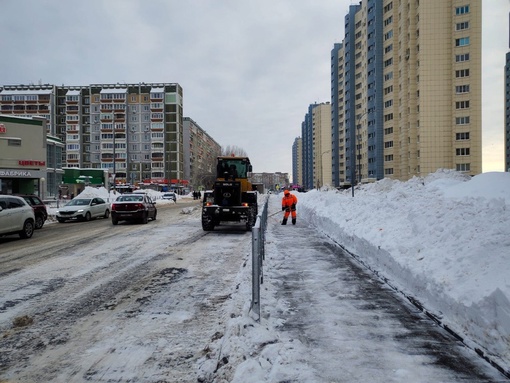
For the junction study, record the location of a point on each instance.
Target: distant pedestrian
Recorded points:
(289, 202)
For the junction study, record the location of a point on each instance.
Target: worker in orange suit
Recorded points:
(289, 202)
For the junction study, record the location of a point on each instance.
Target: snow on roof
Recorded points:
(26, 91)
(158, 90)
(73, 93)
(113, 90)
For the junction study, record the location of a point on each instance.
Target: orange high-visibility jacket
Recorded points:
(288, 200)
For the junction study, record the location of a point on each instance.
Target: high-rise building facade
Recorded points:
(307, 149)
(135, 131)
(200, 153)
(297, 162)
(406, 90)
(316, 146)
(507, 108)
(321, 119)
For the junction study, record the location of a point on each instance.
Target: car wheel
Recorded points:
(145, 218)
(28, 229)
(107, 213)
(115, 221)
(39, 222)
(61, 220)
(155, 214)
(88, 216)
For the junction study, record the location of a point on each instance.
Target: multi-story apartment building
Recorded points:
(135, 131)
(316, 146)
(200, 153)
(297, 162)
(321, 122)
(507, 111)
(406, 90)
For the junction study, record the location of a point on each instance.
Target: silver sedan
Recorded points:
(84, 209)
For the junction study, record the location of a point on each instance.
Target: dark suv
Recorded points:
(40, 212)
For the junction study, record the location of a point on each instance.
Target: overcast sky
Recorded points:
(249, 68)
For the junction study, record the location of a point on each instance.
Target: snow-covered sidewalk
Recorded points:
(326, 319)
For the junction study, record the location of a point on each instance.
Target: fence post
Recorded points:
(256, 266)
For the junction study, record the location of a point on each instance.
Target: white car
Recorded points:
(16, 217)
(170, 195)
(84, 209)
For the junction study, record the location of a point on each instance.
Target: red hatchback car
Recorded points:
(133, 207)
(40, 212)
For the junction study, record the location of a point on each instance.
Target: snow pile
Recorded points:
(443, 239)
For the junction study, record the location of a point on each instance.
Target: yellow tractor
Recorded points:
(232, 198)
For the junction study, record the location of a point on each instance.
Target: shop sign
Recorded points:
(31, 163)
(16, 173)
(20, 173)
(3, 129)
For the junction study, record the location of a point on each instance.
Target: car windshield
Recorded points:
(79, 202)
(130, 198)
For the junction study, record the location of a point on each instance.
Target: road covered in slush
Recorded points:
(168, 302)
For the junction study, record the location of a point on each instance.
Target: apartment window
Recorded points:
(388, 103)
(462, 73)
(462, 151)
(388, 35)
(388, 21)
(388, 130)
(462, 10)
(388, 158)
(73, 146)
(463, 136)
(462, 120)
(463, 167)
(388, 76)
(388, 117)
(388, 144)
(462, 104)
(462, 26)
(459, 89)
(388, 90)
(462, 42)
(388, 7)
(462, 58)
(388, 171)
(13, 142)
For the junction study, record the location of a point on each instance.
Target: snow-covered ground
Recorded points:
(443, 240)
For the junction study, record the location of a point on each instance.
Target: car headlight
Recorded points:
(80, 211)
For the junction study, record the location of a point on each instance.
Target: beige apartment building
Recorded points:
(321, 122)
(406, 90)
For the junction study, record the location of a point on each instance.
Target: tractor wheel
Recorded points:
(207, 222)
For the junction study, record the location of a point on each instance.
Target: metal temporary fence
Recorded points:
(258, 240)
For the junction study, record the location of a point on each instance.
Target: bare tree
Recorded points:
(233, 150)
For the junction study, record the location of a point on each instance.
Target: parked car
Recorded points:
(16, 217)
(133, 207)
(40, 212)
(84, 209)
(169, 195)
